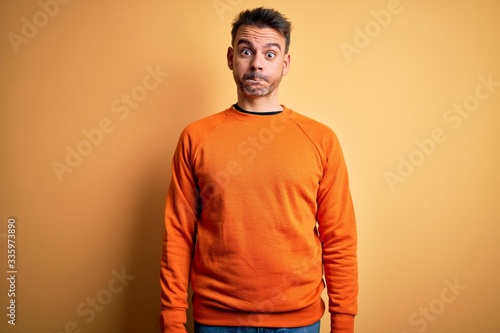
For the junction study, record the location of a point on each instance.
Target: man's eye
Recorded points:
(246, 52)
(270, 55)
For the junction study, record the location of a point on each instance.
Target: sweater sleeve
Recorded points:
(178, 239)
(337, 229)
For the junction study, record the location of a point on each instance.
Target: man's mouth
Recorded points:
(254, 81)
(254, 78)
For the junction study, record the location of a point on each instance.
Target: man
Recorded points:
(258, 206)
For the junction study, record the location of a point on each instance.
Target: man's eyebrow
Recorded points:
(248, 42)
(273, 44)
(244, 41)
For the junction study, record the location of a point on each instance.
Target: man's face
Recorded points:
(258, 60)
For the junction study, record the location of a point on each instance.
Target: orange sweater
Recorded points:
(258, 206)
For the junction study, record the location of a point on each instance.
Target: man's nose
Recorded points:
(257, 63)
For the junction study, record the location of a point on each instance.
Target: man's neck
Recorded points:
(259, 103)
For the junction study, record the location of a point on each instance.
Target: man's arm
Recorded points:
(337, 229)
(178, 240)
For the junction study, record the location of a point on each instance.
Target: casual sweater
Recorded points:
(258, 211)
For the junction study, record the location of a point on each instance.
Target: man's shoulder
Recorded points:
(311, 126)
(320, 134)
(205, 125)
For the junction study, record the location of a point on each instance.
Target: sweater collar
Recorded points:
(258, 118)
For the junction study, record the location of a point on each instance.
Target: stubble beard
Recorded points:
(256, 90)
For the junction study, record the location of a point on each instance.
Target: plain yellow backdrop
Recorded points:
(93, 96)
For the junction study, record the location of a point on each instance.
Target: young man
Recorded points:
(258, 206)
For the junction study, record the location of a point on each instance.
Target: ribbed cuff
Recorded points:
(172, 321)
(342, 323)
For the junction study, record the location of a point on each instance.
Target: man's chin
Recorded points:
(254, 91)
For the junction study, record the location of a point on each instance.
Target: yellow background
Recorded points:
(436, 225)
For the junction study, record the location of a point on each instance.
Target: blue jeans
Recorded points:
(200, 328)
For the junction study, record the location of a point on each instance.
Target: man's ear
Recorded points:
(230, 54)
(286, 64)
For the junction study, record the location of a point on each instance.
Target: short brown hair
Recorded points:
(263, 17)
